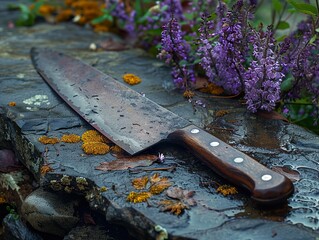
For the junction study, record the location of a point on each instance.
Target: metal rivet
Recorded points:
(194, 130)
(238, 160)
(214, 144)
(266, 177)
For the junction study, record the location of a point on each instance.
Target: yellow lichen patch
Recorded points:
(48, 140)
(140, 183)
(188, 94)
(138, 197)
(45, 169)
(70, 138)
(131, 79)
(227, 190)
(12, 104)
(93, 136)
(212, 89)
(175, 207)
(96, 148)
(103, 189)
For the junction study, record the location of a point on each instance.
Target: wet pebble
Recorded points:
(49, 212)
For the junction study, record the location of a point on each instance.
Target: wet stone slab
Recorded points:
(39, 112)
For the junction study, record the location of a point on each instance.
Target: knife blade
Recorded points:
(136, 123)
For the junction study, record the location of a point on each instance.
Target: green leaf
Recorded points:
(104, 17)
(313, 39)
(138, 8)
(276, 4)
(304, 8)
(282, 25)
(317, 30)
(281, 38)
(287, 84)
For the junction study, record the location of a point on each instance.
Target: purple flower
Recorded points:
(175, 51)
(229, 53)
(205, 49)
(264, 75)
(126, 19)
(161, 157)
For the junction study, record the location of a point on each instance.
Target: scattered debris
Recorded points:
(140, 183)
(188, 94)
(175, 207)
(155, 185)
(221, 113)
(128, 162)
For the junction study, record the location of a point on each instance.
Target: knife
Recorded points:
(136, 123)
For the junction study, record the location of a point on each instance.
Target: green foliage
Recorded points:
(305, 8)
(12, 212)
(301, 113)
(27, 16)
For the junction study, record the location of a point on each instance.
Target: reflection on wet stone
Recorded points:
(272, 142)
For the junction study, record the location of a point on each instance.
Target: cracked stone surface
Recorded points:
(39, 112)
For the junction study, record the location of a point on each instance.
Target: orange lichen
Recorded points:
(221, 113)
(48, 140)
(70, 138)
(93, 136)
(131, 79)
(140, 183)
(46, 9)
(64, 15)
(212, 89)
(2, 200)
(45, 169)
(176, 207)
(116, 149)
(227, 190)
(96, 148)
(12, 104)
(138, 197)
(188, 94)
(102, 27)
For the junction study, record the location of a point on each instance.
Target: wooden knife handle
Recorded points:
(265, 185)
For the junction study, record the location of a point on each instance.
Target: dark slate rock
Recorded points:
(272, 142)
(256, 229)
(15, 229)
(88, 232)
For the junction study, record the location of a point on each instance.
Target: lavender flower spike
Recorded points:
(264, 76)
(174, 50)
